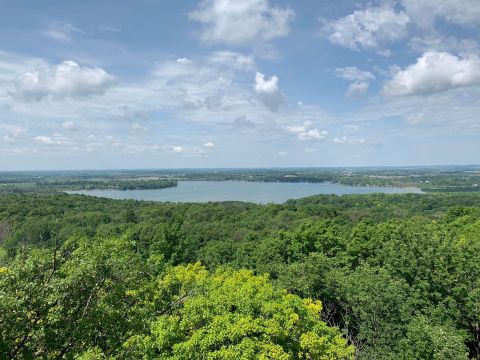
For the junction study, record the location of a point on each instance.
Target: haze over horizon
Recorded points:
(226, 84)
(193, 169)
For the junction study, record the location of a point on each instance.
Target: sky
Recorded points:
(227, 83)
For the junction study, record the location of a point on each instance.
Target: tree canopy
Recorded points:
(371, 277)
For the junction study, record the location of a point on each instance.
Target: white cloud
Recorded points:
(209, 144)
(373, 28)
(352, 73)
(109, 28)
(357, 88)
(185, 150)
(13, 132)
(211, 88)
(11, 65)
(178, 148)
(141, 148)
(184, 60)
(232, 59)
(414, 119)
(348, 140)
(55, 139)
(67, 79)
(179, 67)
(138, 127)
(268, 91)
(9, 138)
(225, 97)
(312, 134)
(360, 79)
(307, 132)
(62, 31)
(243, 22)
(436, 42)
(207, 92)
(460, 12)
(352, 127)
(44, 140)
(434, 72)
(68, 125)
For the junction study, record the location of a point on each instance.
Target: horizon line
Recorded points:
(245, 168)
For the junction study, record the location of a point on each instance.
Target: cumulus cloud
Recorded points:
(307, 132)
(357, 88)
(372, 28)
(434, 72)
(243, 22)
(67, 79)
(268, 91)
(360, 79)
(460, 12)
(209, 144)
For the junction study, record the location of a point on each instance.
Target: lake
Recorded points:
(256, 192)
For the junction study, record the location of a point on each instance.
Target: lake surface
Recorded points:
(256, 192)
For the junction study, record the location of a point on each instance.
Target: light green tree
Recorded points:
(232, 315)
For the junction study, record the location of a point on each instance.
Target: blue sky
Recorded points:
(252, 83)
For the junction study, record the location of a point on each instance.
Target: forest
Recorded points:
(326, 277)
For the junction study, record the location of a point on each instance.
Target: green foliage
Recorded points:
(425, 341)
(55, 303)
(233, 315)
(92, 278)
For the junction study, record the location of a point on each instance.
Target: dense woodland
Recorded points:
(326, 277)
(29, 184)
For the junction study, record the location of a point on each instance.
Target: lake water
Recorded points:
(256, 192)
